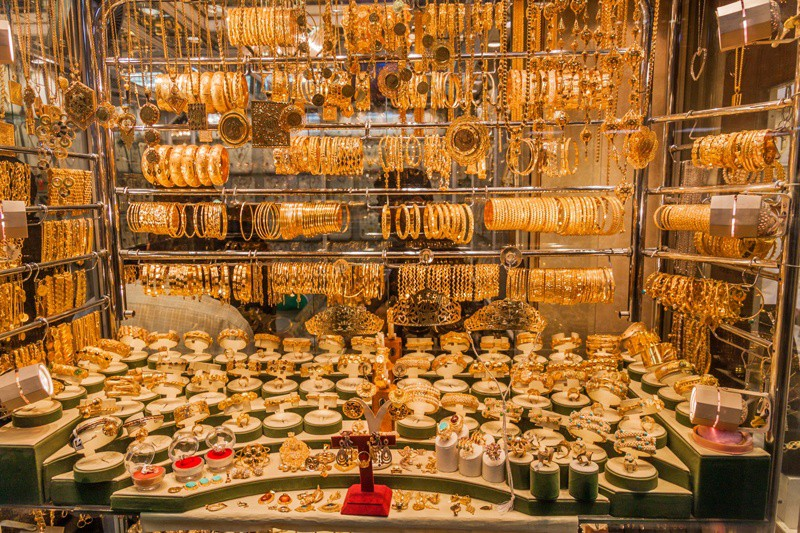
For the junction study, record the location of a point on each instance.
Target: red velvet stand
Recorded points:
(366, 498)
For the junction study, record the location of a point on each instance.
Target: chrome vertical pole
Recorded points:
(638, 226)
(783, 343)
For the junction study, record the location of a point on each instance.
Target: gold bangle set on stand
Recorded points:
(739, 154)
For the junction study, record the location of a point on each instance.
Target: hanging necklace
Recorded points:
(79, 100)
(149, 112)
(701, 54)
(738, 67)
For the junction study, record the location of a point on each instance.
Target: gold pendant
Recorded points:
(105, 114)
(79, 104)
(149, 113)
(177, 100)
(15, 92)
(7, 134)
(234, 130)
(197, 117)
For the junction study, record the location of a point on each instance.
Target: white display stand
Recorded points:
(446, 453)
(471, 464)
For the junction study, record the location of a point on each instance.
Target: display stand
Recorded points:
(367, 498)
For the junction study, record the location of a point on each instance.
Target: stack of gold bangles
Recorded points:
(219, 91)
(440, 220)
(271, 26)
(683, 217)
(734, 247)
(337, 280)
(247, 283)
(567, 215)
(330, 156)
(288, 220)
(186, 166)
(561, 286)
(208, 220)
(750, 151)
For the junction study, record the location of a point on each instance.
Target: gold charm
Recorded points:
(177, 100)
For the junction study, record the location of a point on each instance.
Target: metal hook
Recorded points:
(30, 268)
(96, 258)
(694, 125)
(745, 285)
(46, 326)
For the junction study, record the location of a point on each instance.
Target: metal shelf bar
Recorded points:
(143, 255)
(124, 191)
(59, 208)
(30, 267)
(366, 126)
(266, 60)
(37, 151)
(777, 186)
(739, 332)
(46, 321)
(751, 263)
(725, 111)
